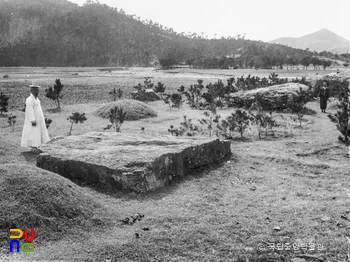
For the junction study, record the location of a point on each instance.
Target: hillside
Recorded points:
(20, 18)
(59, 33)
(322, 40)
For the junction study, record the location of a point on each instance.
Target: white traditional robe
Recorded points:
(34, 136)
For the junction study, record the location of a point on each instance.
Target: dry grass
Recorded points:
(297, 181)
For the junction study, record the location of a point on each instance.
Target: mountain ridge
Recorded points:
(321, 40)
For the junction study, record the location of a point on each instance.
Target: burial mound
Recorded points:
(134, 109)
(35, 198)
(128, 161)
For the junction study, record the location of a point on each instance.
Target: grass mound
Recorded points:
(34, 198)
(134, 109)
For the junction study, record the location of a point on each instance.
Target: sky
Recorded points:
(264, 20)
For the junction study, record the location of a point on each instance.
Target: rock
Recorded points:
(252, 188)
(150, 95)
(274, 97)
(139, 162)
(325, 219)
(277, 228)
(298, 260)
(249, 249)
(134, 109)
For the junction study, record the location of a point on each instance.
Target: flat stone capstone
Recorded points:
(136, 162)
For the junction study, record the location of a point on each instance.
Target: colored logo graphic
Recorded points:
(16, 234)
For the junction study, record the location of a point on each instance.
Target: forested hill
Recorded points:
(60, 33)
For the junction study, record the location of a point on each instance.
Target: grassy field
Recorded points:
(289, 188)
(89, 85)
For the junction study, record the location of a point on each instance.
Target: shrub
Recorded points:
(264, 121)
(116, 117)
(3, 103)
(167, 63)
(341, 118)
(160, 88)
(54, 93)
(12, 121)
(76, 118)
(296, 104)
(141, 94)
(194, 94)
(48, 121)
(173, 100)
(211, 123)
(261, 118)
(6, 76)
(186, 128)
(227, 126)
(116, 94)
(215, 91)
(243, 119)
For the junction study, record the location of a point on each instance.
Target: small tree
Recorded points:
(296, 107)
(160, 88)
(194, 93)
(174, 131)
(243, 119)
(211, 122)
(48, 121)
(148, 83)
(341, 118)
(173, 100)
(261, 119)
(54, 93)
(176, 99)
(326, 63)
(306, 61)
(116, 117)
(167, 63)
(140, 94)
(116, 94)
(186, 128)
(76, 118)
(12, 122)
(227, 126)
(273, 78)
(346, 65)
(296, 104)
(3, 103)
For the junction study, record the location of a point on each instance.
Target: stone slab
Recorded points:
(136, 162)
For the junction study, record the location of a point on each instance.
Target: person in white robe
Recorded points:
(34, 130)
